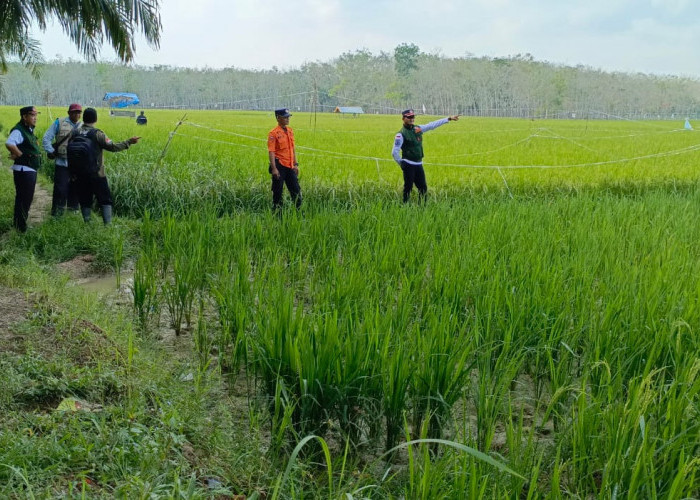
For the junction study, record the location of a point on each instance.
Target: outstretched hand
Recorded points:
(453, 118)
(134, 140)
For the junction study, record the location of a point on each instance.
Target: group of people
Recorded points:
(77, 184)
(77, 188)
(407, 152)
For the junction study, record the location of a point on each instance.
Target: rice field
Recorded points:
(530, 331)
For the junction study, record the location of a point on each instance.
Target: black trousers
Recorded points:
(413, 174)
(288, 177)
(64, 191)
(91, 187)
(25, 182)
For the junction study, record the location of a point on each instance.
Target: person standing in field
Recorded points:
(85, 161)
(141, 119)
(409, 142)
(24, 150)
(284, 167)
(55, 142)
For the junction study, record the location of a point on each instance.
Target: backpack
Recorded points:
(82, 153)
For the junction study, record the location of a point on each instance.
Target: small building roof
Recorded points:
(355, 110)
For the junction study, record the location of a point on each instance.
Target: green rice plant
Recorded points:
(317, 349)
(356, 376)
(497, 367)
(232, 293)
(440, 371)
(283, 478)
(171, 234)
(182, 268)
(275, 360)
(177, 292)
(396, 378)
(202, 340)
(454, 474)
(145, 290)
(281, 414)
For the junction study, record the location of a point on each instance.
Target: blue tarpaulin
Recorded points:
(121, 99)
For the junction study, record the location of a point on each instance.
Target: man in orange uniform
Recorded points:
(284, 167)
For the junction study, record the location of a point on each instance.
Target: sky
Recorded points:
(639, 36)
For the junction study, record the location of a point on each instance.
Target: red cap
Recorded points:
(75, 107)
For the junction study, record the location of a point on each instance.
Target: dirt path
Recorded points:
(14, 305)
(41, 206)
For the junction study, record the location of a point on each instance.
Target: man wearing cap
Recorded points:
(409, 141)
(24, 150)
(55, 142)
(284, 167)
(95, 185)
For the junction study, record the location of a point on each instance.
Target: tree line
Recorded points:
(513, 86)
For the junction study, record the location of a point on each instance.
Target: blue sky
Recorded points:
(648, 36)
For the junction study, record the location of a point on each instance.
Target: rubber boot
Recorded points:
(86, 211)
(106, 214)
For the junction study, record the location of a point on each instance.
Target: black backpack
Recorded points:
(82, 153)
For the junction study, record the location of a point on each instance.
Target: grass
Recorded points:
(533, 328)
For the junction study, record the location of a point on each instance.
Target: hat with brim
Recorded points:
(282, 113)
(75, 107)
(408, 113)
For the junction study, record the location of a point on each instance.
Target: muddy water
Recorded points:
(106, 284)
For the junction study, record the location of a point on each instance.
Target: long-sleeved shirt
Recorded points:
(106, 143)
(47, 140)
(398, 140)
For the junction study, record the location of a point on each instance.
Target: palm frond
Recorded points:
(87, 23)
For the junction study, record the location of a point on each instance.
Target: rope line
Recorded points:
(309, 151)
(557, 136)
(507, 146)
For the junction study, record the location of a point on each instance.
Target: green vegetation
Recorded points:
(530, 331)
(516, 86)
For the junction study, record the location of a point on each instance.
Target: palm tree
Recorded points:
(86, 22)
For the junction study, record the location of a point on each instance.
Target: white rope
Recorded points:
(626, 136)
(208, 139)
(676, 152)
(335, 154)
(224, 131)
(506, 183)
(507, 146)
(557, 136)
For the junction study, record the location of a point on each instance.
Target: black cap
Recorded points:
(282, 113)
(27, 110)
(408, 113)
(89, 115)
